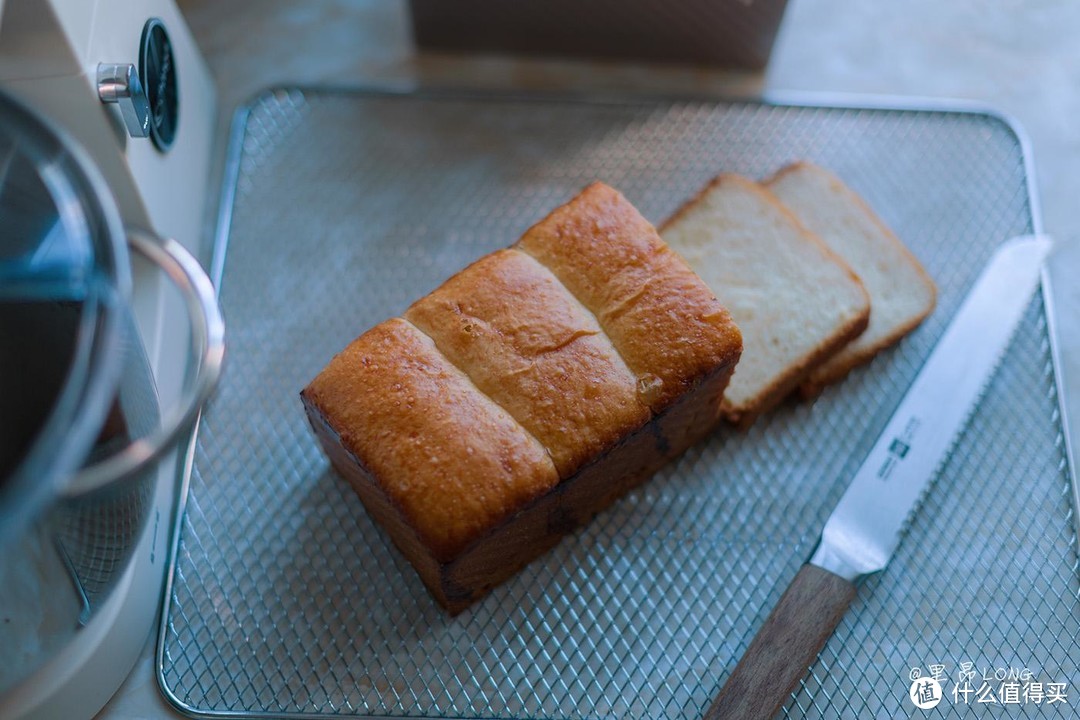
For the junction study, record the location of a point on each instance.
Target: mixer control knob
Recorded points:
(119, 83)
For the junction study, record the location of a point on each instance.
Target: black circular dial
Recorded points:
(157, 68)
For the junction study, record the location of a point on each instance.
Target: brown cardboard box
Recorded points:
(736, 33)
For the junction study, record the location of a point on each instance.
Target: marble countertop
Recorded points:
(1019, 56)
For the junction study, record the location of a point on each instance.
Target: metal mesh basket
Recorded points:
(287, 600)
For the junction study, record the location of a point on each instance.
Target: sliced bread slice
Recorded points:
(795, 301)
(901, 292)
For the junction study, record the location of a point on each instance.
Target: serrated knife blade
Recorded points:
(864, 530)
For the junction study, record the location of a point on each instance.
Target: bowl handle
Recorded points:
(208, 341)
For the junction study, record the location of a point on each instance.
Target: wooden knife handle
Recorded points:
(785, 647)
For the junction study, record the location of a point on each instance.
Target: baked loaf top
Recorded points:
(533, 349)
(523, 367)
(665, 322)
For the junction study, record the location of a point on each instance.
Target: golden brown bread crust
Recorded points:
(450, 459)
(456, 430)
(512, 327)
(661, 317)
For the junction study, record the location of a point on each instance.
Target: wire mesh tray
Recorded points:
(287, 601)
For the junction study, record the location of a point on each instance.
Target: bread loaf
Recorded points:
(795, 301)
(526, 393)
(901, 293)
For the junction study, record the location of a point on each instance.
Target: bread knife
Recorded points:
(866, 526)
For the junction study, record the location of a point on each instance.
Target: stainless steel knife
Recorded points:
(865, 528)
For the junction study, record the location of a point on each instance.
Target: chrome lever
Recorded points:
(119, 83)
